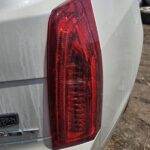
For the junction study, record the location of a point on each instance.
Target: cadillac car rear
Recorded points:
(67, 68)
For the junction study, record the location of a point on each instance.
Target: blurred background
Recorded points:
(133, 130)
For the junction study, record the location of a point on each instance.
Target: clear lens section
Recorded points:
(74, 74)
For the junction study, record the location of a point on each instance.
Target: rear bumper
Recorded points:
(41, 145)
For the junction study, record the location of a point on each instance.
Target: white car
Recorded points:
(67, 68)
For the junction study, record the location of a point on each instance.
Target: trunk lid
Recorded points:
(23, 38)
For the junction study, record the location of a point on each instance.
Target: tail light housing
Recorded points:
(74, 73)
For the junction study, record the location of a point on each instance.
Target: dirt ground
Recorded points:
(133, 130)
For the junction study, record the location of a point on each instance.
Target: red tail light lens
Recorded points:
(74, 74)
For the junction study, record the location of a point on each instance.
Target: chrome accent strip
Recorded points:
(18, 133)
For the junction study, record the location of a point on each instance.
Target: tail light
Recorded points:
(74, 74)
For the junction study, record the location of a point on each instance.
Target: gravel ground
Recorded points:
(133, 130)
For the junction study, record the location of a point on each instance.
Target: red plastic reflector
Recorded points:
(74, 74)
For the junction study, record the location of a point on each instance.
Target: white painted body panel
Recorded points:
(23, 35)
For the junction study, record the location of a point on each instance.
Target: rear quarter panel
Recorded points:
(121, 35)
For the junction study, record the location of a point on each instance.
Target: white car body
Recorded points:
(23, 38)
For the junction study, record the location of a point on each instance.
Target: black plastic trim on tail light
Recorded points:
(74, 74)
